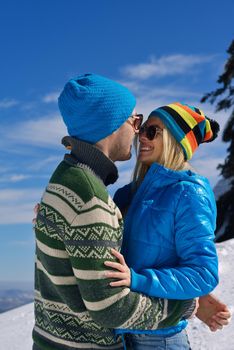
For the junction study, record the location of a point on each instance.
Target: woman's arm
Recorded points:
(196, 273)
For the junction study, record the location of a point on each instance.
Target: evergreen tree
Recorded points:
(224, 98)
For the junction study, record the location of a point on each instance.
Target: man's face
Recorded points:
(122, 140)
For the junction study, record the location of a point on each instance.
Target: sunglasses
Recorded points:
(150, 131)
(136, 121)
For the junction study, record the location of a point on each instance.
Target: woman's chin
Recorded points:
(144, 160)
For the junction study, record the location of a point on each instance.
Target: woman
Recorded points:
(169, 227)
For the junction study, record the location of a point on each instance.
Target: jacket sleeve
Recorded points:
(197, 271)
(92, 234)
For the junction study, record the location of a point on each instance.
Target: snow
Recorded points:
(16, 328)
(201, 338)
(16, 325)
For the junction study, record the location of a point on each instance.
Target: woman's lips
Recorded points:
(145, 149)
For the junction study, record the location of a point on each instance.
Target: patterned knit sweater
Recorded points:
(77, 225)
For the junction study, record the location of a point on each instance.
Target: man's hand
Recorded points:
(213, 312)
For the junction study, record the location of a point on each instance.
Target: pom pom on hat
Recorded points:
(215, 129)
(93, 107)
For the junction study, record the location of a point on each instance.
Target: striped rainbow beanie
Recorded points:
(188, 125)
(93, 106)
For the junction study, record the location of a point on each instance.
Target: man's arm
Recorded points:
(213, 312)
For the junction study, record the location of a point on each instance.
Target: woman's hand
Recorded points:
(123, 274)
(36, 210)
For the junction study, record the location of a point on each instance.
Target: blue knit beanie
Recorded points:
(93, 107)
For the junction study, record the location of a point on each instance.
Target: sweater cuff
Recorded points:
(189, 307)
(140, 284)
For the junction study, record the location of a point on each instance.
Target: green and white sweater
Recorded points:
(77, 225)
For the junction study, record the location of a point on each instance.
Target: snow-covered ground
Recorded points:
(201, 338)
(16, 328)
(16, 325)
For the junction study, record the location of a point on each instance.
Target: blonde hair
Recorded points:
(172, 158)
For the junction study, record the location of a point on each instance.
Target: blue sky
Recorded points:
(164, 51)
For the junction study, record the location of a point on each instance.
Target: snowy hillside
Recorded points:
(16, 325)
(12, 298)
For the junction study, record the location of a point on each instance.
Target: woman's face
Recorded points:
(150, 150)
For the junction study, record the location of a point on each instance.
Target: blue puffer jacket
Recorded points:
(169, 235)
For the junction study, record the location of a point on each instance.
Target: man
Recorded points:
(78, 224)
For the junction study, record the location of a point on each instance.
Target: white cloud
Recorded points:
(51, 97)
(14, 178)
(43, 163)
(44, 132)
(17, 214)
(171, 90)
(16, 206)
(165, 66)
(22, 243)
(8, 103)
(18, 177)
(150, 96)
(10, 195)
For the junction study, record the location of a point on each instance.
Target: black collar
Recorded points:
(87, 154)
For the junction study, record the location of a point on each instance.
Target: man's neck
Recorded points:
(103, 146)
(93, 157)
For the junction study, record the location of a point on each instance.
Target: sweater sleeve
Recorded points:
(197, 271)
(93, 232)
